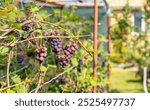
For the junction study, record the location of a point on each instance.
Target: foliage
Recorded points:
(128, 48)
(120, 35)
(27, 52)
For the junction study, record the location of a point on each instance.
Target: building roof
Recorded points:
(80, 3)
(122, 3)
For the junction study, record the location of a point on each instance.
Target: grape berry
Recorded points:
(20, 57)
(62, 79)
(26, 27)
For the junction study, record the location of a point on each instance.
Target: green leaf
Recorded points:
(34, 9)
(95, 51)
(65, 89)
(52, 66)
(10, 91)
(30, 5)
(3, 83)
(16, 79)
(3, 50)
(31, 61)
(43, 68)
(20, 89)
(74, 61)
(17, 25)
(8, 1)
(93, 81)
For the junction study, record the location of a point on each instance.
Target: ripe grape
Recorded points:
(63, 61)
(62, 79)
(26, 27)
(20, 58)
(86, 56)
(81, 90)
(56, 44)
(46, 34)
(68, 51)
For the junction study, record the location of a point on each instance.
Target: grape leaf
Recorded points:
(3, 50)
(43, 68)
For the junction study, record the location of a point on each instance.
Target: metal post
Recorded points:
(145, 80)
(95, 41)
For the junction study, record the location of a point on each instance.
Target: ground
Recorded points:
(124, 81)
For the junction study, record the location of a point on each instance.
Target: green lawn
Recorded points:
(124, 81)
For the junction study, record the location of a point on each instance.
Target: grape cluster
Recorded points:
(20, 58)
(69, 50)
(62, 79)
(55, 43)
(26, 27)
(63, 54)
(82, 61)
(81, 90)
(63, 61)
(100, 89)
(41, 53)
(46, 34)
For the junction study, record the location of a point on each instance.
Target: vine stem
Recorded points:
(12, 29)
(11, 73)
(73, 36)
(11, 86)
(8, 67)
(41, 80)
(39, 83)
(53, 79)
(7, 32)
(33, 38)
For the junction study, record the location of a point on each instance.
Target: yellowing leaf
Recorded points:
(43, 68)
(3, 50)
(7, 10)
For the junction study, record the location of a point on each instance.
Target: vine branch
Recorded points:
(53, 78)
(7, 32)
(41, 80)
(15, 71)
(8, 67)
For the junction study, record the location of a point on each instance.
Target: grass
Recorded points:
(124, 81)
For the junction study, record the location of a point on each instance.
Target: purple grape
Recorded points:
(26, 27)
(46, 34)
(63, 61)
(62, 79)
(68, 50)
(20, 58)
(55, 43)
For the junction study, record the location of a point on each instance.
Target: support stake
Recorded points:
(95, 41)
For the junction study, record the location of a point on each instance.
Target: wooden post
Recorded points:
(109, 50)
(61, 14)
(95, 41)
